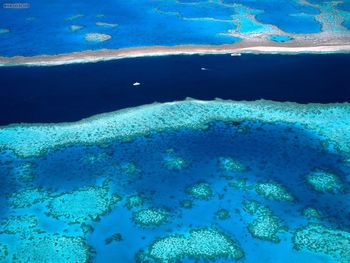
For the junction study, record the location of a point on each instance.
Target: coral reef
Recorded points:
(129, 168)
(312, 213)
(106, 24)
(321, 239)
(4, 30)
(186, 203)
(3, 252)
(229, 164)
(97, 37)
(273, 191)
(52, 249)
(200, 244)
(240, 183)
(322, 181)
(23, 225)
(23, 172)
(200, 191)
(222, 214)
(150, 217)
(75, 27)
(83, 205)
(266, 225)
(172, 161)
(330, 121)
(114, 237)
(134, 201)
(28, 197)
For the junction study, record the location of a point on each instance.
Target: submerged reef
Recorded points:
(151, 217)
(201, 191)
(75, 27)
(321, 239)
(113, 238)
(52, 249)
(274, 191)
(199, 244)
(134, 201)
(4, 30)
(22, 225)
(97, 37)
(106, 24)
(83, 205)
(24, 172)
(228, 164)
(266, 225)
(3, 252)
(172, 161)
(322, 181)
(129, 168)
(222, 214)
(312, 213)
(329, 121)
(240, 183)
(187, 204)
(28, 197)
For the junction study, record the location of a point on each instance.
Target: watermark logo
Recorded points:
(16, 5)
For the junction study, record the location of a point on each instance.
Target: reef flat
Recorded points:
(330, 122)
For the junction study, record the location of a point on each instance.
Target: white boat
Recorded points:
(235, 54)
(136, 84)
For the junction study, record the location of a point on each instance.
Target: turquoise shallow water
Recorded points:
(195, 180)
(63, 27)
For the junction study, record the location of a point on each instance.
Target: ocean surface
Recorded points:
(72, 92)
(41, 27)
(244, 190)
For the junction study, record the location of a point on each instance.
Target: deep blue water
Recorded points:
(72, 92)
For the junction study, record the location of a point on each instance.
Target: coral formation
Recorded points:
(229, 164)
(222, 214)
(3, 252)
(273, 191)
(129, 168)
(106, 24)
(330, 121)
(83, 205)
(172, 161)
(23, 172)
(312, 213)
(23, 225)
(114, 237)
(75, 27)
(199, 244)
(97, 37)
(321, 239)
(240, 183)
(4, 30)
(322, 181)
(186, 203)
(52, 249)
(151, 217)
(134, 201)
(266, 225)
(200, 191)
(28, 197)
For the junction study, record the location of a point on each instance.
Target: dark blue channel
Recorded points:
(73, 92)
